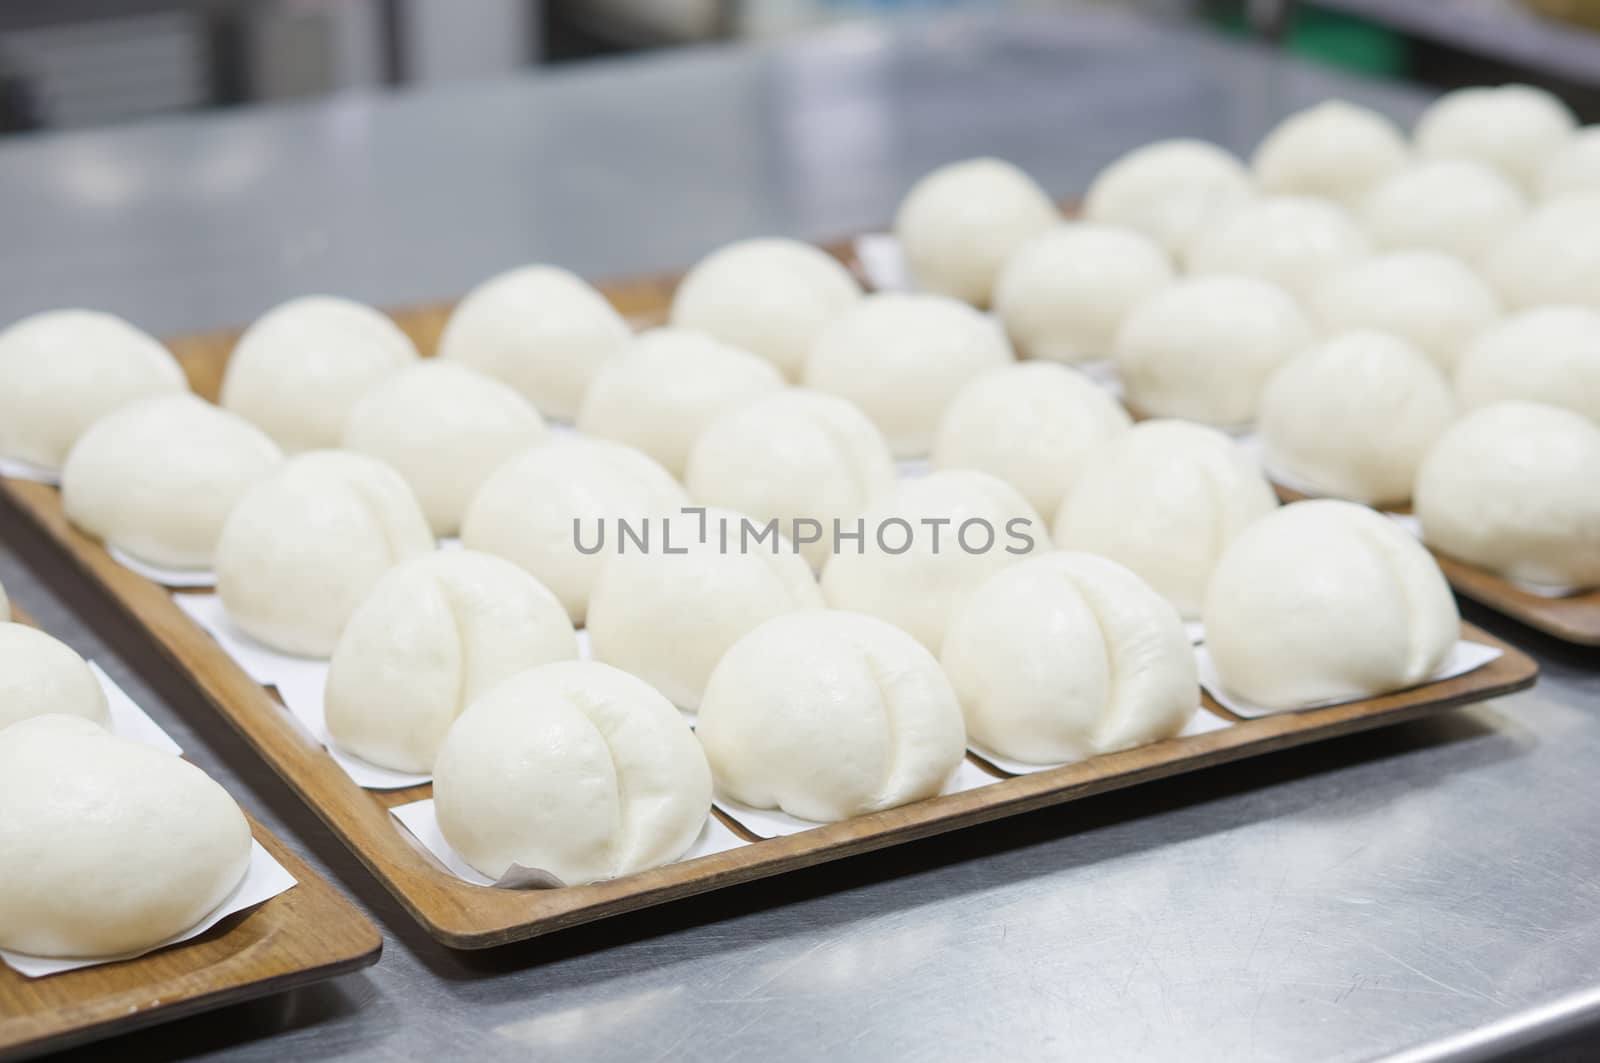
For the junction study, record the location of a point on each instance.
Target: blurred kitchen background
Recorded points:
(74, 63)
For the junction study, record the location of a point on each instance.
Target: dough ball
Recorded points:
(444, 428)
(303, 547)
(926, 545)
(540, 329)
(1574, 170)
(1353, 417)
(902, 358)
(1063, 295)
(1426, 297)
(1168, 190)
(1031, 425)
(158, 477)
(1325, 601)
(1292, 241)
(574, 768)
(1548, 354)
(1514, 128)
(1067, 655)
(1513, 488)
(668, 612)
(435, 633)
(770, 297)
(795, 455)
(666, 386)
(1165, 499)
(299, 368)
(40, 675)
(62, 370)
(1336, 150)
(1204, 348)
(829, 715)
(959, 224)
(109, 846)
(539, 507)
(1552, 257)
(1457, 206)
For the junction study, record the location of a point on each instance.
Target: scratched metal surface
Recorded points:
(1433, 885)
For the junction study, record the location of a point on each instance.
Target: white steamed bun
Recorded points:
(768, 296)
(40, 675)
(1168, 190)
(158, 477)
(1552, 256)
(1353, 417)
(1514, 128)
(540, 329)
(1337, 150)
(445, 428)
(1067, 655)
(1547, 354)
(299, 368)
(1292, 241)
(1457, 206)
(1575, 169)
(109, 846)
(1165, 499)
(62, 370)
(926, 545)
(1063, 294)
(304, 546)
(1427, 297)
(902, 358)
(827, 715)
(538, 507)
(662, 390)
(1513, 488)
(435, 633)
(792, 456)
(1324, 601)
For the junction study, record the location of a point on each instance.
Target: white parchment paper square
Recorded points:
(1463, 658)
(420, 819)
(167, 577)
(1200, 723)
(17, 469)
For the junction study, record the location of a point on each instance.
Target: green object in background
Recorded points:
(1330, 37)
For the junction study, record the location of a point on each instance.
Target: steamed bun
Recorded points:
(444, 428)
(959, 224)
(1575, 169)
(1292, 241)
(1165, 499)
(1325, 601)
(109, 846)
(662, 390)
(1063, 294)
(792, 456)
(770, 297)
(299, 368)
(1336, 149)
(1552, 256)
(1168, 190)
(435, 633)
(304, 546)
(538, 507)
(540, 329)
(1353, 417)
(1067, 655)
(926, 545)
(1513, 488)
(1514, 128)
(828, 715)
(1203, 348)
(1426, 297)
(668, 613)
(1457, 206)
(62, 370)
(1548, 354)
(902, 358)
(1032, 425)
(40, 675)
(158, 477)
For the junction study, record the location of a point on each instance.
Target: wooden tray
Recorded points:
(304, 935)
(1574, 619)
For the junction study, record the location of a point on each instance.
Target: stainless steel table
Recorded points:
(1430, 885)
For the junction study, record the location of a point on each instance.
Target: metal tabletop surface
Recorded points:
(1434, 886)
